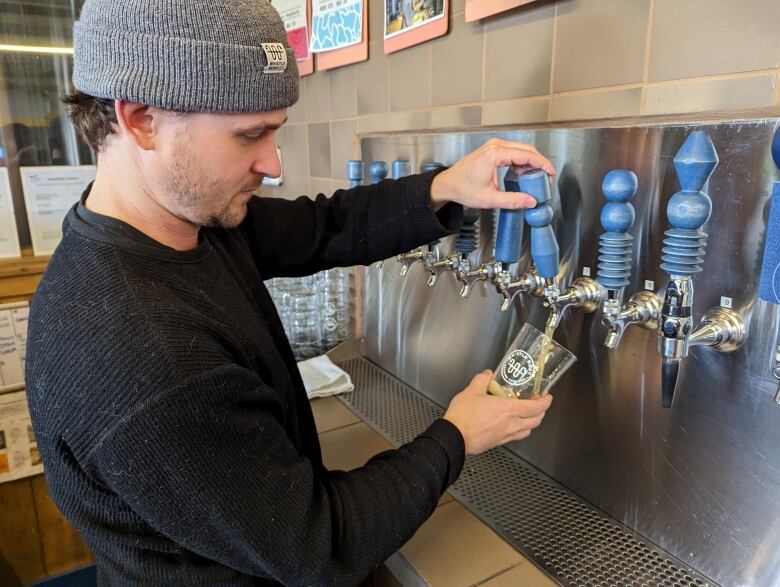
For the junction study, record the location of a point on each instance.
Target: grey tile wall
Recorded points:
(319, 149)
(343, 146)
(317, 97)
(718, 94)
(522, 111)
(457, 65)
(609, 104)
(600, 43)
(320, 186)
(545, 61)
(293, 187)
(693, 38)
(410, 78)
(296, 155)
(456, 117)
(343, 95)
(372, 78)
(297, 112)
(518, 53)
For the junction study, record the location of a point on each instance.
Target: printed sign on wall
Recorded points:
(9, 239)
(13, 345)
(347, 55)
(410, 22)
(336, 24)
(296, 15)
(49, 193)
(19, 456)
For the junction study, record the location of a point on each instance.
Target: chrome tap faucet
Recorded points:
(428, 254)
(688, 210)
(544, 246)
(616, 254)
(458, 261)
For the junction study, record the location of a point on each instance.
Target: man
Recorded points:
(169, 411)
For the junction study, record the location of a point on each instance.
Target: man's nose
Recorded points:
(268, 162)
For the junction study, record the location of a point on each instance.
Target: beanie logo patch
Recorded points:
(275, 58)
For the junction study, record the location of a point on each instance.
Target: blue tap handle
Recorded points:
(769, 284)
(776, 147)
(689, 208)
(510, 225)
(617, 218)
(544, 245)
(401, 168)
(378, 171)
(431, 166)
(354, 173)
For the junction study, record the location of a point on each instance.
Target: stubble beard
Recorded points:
(193, 192)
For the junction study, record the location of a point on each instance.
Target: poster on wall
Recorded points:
(9, 238)
(13, 345)
(19, 456)
(296, 15)
(476, 9)
(336, 24)
(49, 192)
(411, 22)
(348, 55)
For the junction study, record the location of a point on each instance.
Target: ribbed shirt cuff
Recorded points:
(447, 435)
(432, 225)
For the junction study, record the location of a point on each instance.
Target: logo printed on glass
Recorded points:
(518, 368)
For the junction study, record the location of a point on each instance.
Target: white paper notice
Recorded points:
(19, 456)
(49, 192)
(9, 239)
(293, 13)
(13, 345)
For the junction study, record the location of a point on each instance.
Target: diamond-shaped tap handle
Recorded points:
(544, 245)
(688, 210)
(355, 171)
(617, 218)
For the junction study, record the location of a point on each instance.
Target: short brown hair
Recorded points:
(94, 118)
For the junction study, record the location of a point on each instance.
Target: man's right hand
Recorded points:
(487, 421)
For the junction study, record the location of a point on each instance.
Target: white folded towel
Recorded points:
(321, 377)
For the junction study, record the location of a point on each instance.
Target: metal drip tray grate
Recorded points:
(570, 539)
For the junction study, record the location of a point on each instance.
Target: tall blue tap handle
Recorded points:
(776, 147)
(769, 284)
(355, 173)
(510, 225)
(617, 218)
(544, 245)
(378, 171)
(689, 209)
(400, 168)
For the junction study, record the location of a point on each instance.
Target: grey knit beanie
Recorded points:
(188, 55)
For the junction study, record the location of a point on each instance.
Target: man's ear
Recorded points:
(139, 122)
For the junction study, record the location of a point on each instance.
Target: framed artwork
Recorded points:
(296, 15)
(476, 9)
(411, 22)
(348, 54)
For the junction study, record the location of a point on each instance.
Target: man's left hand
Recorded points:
(473, 180)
